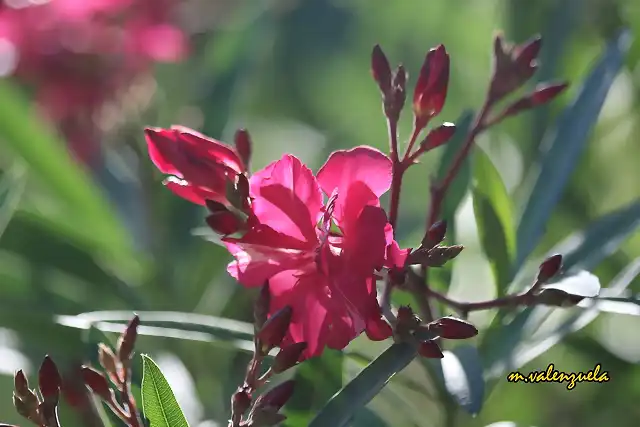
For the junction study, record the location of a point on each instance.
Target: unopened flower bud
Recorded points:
(513, 66)
(224, 223)
(381, 70)
(438, 136)
(431, 87)
(288, 356)
(440, 255)
(107, 359)
(453, 328)
(550, 267)
(541, 95)
(21, 384)
(265, 417)
(127, 340)
(277, 396)
(406, 320)
(49, 379)
(435, 234)
(557, 298)
(526, 54)
(274, 329)
(430, 350)
(243, 146)
(97, 382)
(240, 402)
(261, 307)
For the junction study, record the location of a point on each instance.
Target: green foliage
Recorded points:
(158, 401)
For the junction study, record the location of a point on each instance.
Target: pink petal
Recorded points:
(287, 198)
(264, 252)
(190, 192)
(360, 164)
(210, 147)
(365, 242)
(164, 43)
(377, 329)
(396, 257)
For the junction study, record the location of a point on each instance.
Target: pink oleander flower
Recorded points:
(321, 258)
(199, 167)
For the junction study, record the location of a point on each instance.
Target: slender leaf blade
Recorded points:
(492, 209)
(341, 408)
(564, 144)
(158, 401)
(461, 373)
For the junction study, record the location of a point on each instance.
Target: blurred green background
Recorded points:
(296, 75)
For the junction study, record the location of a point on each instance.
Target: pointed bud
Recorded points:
(127, 340)
(431, 87)
(541, 95)
(274, 329)
(430, 350)
(381, 70)
(224, 223)
(525, 54)
(243, 146)
(277, 396)
(288, 357)
(21, 385)
(549, 268)
(107, 359)
(452, 328)
(49, 379)
(261, 306)
(438, 136)
(557, 298)
(440, 255)
(97, 382)
(240, 402)
(394, 101)
(435, 234)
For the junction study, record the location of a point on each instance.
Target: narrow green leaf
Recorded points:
(11, 190)
(492, 208)
(158, 401)
(460, 184)
(48, 160)
(341, 408)
(617, 305)
(563, 145)
(462, 375)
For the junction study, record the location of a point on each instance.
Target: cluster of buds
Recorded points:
(40, 410)
(431, 253)
(270, 334)
(514, 65)
(409, 327)
(117, 366)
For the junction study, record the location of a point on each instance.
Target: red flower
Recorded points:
(431, 87)
(327, 278)
(199, 166)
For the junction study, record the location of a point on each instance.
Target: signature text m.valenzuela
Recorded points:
(596, 375)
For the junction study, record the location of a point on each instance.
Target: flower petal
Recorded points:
(365, 164)
(287, 198)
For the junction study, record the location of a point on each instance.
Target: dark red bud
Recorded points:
(277, 396)
(525, 54)
(550, 267)
(438, 136)
(224, 223)
(431, 87)
(261, 306)
(274, 329)
(127, 340)
(405, 316)
(21, 385)
(242, 184)
(541, 95)
(243, 143)
(240, 402)
(107, 359)
(49, 379)
(430, 350)
(74, 391)
(435, 234)
(400, 78)
(215, 207)
(97, 382)
(452, 328)
(288, 357)
(381, 70)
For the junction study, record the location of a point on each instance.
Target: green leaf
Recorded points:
(617, 305)
(492, 208)
(563, 145)
(462, 375)
(48, 160)
(460, 184)
(11, 190)
(341, 408)
(158, 401)
(186, 326)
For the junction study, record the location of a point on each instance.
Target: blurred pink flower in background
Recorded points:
(77, 54)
